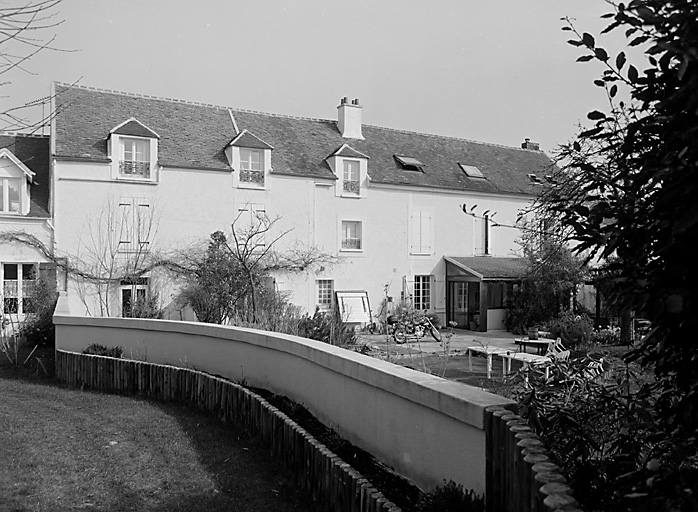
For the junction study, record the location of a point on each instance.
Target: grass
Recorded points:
(63, 449)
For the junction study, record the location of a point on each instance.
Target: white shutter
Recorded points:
(425, 245)
(143, 223)
(478, 237)
(125, 225)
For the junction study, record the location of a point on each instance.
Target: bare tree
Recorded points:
(24, 32)
(231, 270)
(116, 251)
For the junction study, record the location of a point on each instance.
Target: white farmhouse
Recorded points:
(389, 202)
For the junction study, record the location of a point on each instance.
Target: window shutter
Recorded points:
(143, 223)
(414, 235)
(478, 237)
(125, 226)
(426, 233)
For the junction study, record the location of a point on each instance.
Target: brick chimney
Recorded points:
(349, 119)
(533, 146)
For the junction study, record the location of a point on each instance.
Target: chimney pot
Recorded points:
(345, 100)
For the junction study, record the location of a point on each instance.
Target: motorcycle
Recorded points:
(411, 330)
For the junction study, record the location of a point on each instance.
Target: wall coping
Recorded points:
(460, 401)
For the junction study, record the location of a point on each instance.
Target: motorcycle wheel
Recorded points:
(435, 333)
(400, 335)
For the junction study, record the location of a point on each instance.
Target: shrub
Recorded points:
(450, 498)
(96, 349)
(273, 312)
(573, 329)
(326, 327)
(147, 307)
(606, 337)
(38, 326)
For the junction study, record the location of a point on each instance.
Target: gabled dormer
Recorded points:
(250, 156)
(351, 168)
(15, 178)
(133, 149)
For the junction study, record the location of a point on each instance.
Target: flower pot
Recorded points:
(533, 334)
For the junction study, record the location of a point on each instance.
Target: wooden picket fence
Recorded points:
(319, 472)
(520, 475)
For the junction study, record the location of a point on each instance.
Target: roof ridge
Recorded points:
(188, 102)
(283, 116)
(20, 134)
(451, 137)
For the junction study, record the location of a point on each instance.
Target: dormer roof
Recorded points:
(33, 153)
(6, 153)
(248, 140)
(134, 128)
(346, 150)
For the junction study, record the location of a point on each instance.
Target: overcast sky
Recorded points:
(494, 71)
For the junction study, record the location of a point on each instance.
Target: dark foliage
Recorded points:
(327, 327)
(38, 326)
(451, 498)
(100, 350)
(627, 189)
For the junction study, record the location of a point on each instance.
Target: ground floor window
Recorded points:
(134, 294)
(422, 292)
(497, 294)
(18, 281)
(325, 290)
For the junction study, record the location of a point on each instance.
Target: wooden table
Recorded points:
(488, 353)
(539, 344)
(527, 360)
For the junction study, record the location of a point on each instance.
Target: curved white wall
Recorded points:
(429, 429)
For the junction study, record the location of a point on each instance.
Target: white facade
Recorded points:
(390, 218)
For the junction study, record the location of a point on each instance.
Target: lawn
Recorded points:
(64, 449)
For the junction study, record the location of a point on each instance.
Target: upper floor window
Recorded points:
(135, 158)
(420, 232)
(133, 149)
(352, 177)
(135, 225)
(10, 195)
(251, 166)
(351, 235)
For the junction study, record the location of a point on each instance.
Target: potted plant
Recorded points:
(533, 333)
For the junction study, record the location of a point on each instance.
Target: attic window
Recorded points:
(534, 178)
(471, 171)
(409, 163)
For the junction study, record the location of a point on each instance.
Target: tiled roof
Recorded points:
(195, 135)
(490, 267)
(33, 151)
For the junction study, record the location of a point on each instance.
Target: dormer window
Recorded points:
(351, 169)
(133, 148)
(251, 166)
(351, 183)
(15, 178)
(10, 195)
(250, 156)
(135, 158)
(409, 163)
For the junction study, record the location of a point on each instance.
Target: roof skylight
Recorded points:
(409, 163)
(471, 171)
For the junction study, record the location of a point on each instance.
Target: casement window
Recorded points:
(251, 167)
(134, 294)
(325, 292)
(135, 225)
(251, 225)
(351, 235)
(135, 158)
(10, 195)
(351, 183)
(422, 292)
(497, 294)
(420, 232)
(18, 281)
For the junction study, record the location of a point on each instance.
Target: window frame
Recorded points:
(359, 236)
(324, 296)
(351, 187)
(141, 170)
(5, 196)
(247, 171)
(421, 293)
(22, 286)
(140, 284)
